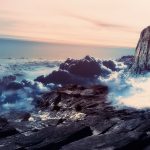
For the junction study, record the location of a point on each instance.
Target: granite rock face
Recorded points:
(142, 53)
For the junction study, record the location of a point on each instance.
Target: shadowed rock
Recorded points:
(7, 79)
(14, 86)
(83, 71)
(5, 129)
(127, 60)
(86, 67)
(110, 64)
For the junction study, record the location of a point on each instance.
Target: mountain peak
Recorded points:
(142, 53)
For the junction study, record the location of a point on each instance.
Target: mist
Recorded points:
(128, 91)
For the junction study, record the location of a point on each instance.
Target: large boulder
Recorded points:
(86, 67)
(110, 64)
(83, 71)
(142, 53)
(64, 77)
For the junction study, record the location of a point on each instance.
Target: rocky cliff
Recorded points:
(142, 53)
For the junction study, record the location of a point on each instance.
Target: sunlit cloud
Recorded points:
(102, 24)
(87, 22)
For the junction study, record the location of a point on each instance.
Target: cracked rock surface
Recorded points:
(77, 118)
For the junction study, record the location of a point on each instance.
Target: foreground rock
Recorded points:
(142, 54)
(76, 118)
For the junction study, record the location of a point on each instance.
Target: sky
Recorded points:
(97, 23)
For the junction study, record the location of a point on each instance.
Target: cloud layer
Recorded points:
(97, 22)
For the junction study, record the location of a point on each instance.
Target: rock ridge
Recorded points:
(142, 53)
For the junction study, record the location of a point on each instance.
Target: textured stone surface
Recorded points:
(142, 53)
(80, 71)
(80, 119)
(127, 60)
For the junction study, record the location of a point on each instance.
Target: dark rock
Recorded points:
(3, 122)
(53, 121)
(78, 107)
(83, 72)
(41, 79)
(127, 60)
(87, 101)
(26, 116)
(86, 67)
(104, 141)
(6, 129)
(59, 77)
(14, 86)
(110, 64)
(54, 138)
(55, 107)
(48, 99)
(7, 79)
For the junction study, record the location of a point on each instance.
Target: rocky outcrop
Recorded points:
(14, 86)
(83, 71)
(127, 60)
(80, 118)
(71, 99)
(142, 53)
(86, 67)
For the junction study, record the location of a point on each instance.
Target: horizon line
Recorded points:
(26, 39)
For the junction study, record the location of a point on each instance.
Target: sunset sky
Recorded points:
(81, 22)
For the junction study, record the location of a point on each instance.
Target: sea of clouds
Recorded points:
(128, 90)
(23, 81)
(18, 90)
